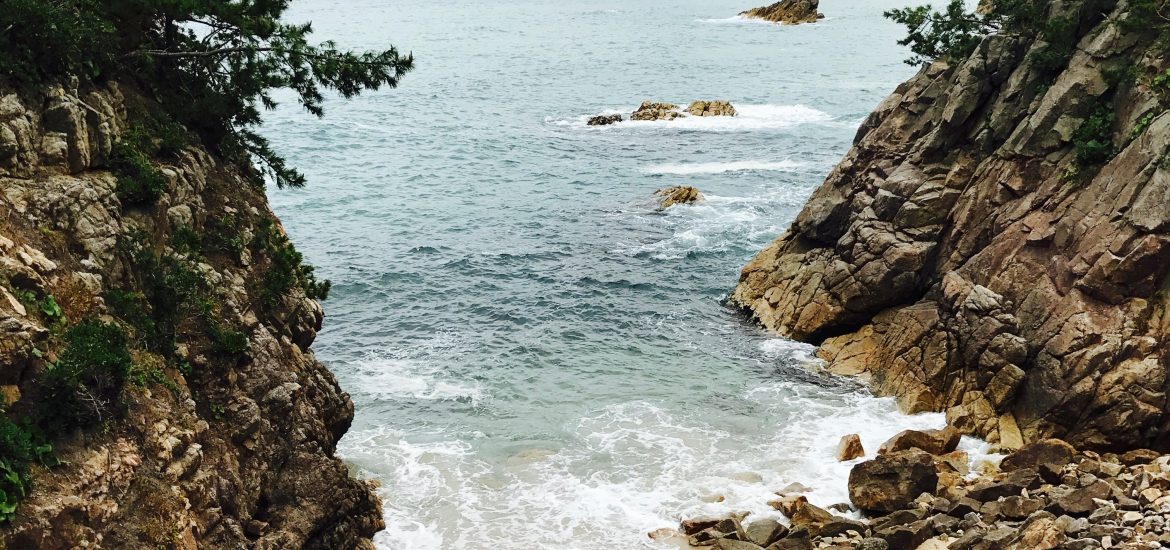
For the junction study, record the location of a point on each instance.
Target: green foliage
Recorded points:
(186, 241)
(139, 182)
(955, 33)
(1161, 83)
(211, 64)
(50, 308)
(287, 270)
(83, 387)
(1093, 141)
(1142, 124)
(21, 446)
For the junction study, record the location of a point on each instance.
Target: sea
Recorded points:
(539, 357)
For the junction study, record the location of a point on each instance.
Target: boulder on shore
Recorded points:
(788, 12)
(935, 442)
(671, 196)
(656, 111)
(711, 108)
(605, 120)
(892, 481)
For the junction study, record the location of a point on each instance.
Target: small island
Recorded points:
(788, 12)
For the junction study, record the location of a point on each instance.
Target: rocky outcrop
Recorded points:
(1079, 501)
(604, 120)
(222, 446)
(850, 448)
(671, 196)
(788, 12)
(711, 108)
(656, 111)
(964, 259)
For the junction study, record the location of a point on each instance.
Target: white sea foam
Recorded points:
(624, 470)
(749, 118)
(392, 376)
(684, 169)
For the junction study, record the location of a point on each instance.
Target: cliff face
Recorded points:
(964, 259)
(221, 446)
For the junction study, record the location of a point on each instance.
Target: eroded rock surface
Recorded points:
(650, 110)
(671, 196)
(963, 259)
(788, 12)
(711, 108)
(235, 452)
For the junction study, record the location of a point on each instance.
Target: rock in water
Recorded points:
(605, 120)
(850, 448)
(677, 195)
(711, 108)
(892, 481)
(656, 111)
(788, 12)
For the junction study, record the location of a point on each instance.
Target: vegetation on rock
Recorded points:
(212, 65)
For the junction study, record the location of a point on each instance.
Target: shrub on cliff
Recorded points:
(211, 64)
(83, 386)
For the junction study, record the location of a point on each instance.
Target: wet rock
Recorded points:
(671, 196)
(711, 108)
(789, 12)
(892, 481)
(1033, 455)
(788, 504)
(906, 536)
(656, 111)
(935, 442)
(850, 448)
(604, 120)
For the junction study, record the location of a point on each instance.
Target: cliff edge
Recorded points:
(996, 244)
(157, 321)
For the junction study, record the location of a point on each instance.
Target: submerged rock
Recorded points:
(711, 108)
(656, 111)
(671, 196)
(605, 120)
(788, 12)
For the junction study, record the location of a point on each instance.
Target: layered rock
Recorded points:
(965, 260)
(788, 12)
(235, 451)
(671, 196)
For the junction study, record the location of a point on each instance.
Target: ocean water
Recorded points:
(539, 358)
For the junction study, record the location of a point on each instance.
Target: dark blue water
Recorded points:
(538, 356)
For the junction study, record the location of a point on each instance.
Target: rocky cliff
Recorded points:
(224, 433)
(971, 255)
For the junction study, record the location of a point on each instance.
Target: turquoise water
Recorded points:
(539, 358)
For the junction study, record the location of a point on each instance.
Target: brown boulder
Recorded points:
(1079, 502)
(788, 12)
(935, 442)
(671, 196)
(656, 111)
(850, 448)
(711, 108)
(788, 504)
(1032, 455)
(892, 481)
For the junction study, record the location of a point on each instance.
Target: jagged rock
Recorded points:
(906, 535)
(948, 258)
(788, 504)
(711, 108)
(671, 196)
(850, 448)
(656, 111)
(789, 12)
(604, 120)
(1077, 502)
(892, 481)
(935, 442)
(732, 544)
(1032, 455)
